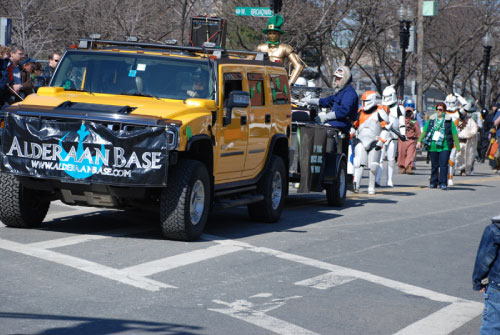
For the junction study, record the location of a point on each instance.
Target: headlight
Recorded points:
(173, 138)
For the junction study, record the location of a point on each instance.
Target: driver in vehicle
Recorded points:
(199, 88)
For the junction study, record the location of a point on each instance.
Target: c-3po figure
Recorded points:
(278, 51)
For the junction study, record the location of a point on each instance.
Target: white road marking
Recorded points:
(85, 265)
(65, 241)
(168, 263)
(325, 281)
(445, 320)
(340, 270)
(256, 315)
(442, 322)
(261, 295)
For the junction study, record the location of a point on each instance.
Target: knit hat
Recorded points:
(274, 24)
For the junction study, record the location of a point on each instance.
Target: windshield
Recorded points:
(134, 74)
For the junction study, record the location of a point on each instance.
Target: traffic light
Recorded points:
(276, 5)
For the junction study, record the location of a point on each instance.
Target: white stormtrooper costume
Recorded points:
(369, 136)
(454, 102)
(396, 122)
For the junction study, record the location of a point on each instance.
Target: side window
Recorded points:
(279, 88)
(256, 85)
(233, 81)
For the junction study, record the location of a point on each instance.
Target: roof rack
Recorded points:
(219, 52)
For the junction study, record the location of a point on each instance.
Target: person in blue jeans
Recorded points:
(439, 135)
(486, 277)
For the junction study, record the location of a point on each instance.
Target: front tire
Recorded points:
(21, 207)
(273, 186)
(336, 192)
(185, 202)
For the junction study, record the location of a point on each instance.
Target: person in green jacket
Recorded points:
(439, 135)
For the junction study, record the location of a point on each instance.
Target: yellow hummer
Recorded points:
(173, 128)
(177, 129)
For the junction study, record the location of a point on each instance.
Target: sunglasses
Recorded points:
(440, 109)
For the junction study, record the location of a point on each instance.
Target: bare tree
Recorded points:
(362, 34)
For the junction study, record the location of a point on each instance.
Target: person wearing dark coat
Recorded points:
(486, 129)
(342, 106)
(486, 277)
(49, 70)
(4, 74)
(27, 69)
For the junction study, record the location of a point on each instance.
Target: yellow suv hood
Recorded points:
(164, 108)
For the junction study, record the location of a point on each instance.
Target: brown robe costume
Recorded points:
(407, 149)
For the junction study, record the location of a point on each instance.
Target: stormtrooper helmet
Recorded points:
(389, 97)
(369, 99)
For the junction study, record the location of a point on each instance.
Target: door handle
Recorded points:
(268, 118)
(243, 120)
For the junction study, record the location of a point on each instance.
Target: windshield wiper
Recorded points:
(77, 90)
(137, 94)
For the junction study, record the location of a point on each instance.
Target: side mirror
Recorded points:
(238, 99)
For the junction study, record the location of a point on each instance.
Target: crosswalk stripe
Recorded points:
(85, 265)
(168, 263)
(71, 240)
(325, 281)
(445, 320)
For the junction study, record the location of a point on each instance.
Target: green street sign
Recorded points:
(254, 11)
(430, 8)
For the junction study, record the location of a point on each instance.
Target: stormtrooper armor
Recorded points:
(396, 122)
(454, 104)
(369, 134)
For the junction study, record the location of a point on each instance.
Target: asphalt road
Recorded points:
(398, 262)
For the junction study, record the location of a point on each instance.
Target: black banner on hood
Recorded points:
(85, 152)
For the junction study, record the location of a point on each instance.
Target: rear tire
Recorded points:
(273, 186)
(336, 192)
(185, 202)
(21, 207)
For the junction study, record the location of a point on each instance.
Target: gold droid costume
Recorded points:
(278, 51)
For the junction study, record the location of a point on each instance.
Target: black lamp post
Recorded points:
(405, 15)
(487, 44)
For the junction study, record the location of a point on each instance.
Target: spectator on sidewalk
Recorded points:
(49, 70)
(37, 76)
(14, 72)
(486, 132)
(4, 75)
(486, 277)
(27, 69)
(496, 128)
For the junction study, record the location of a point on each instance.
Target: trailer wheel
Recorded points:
(185, 202)
(336, 192)
(273, 186)
(21, 207)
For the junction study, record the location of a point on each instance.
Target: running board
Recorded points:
(245, 200)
